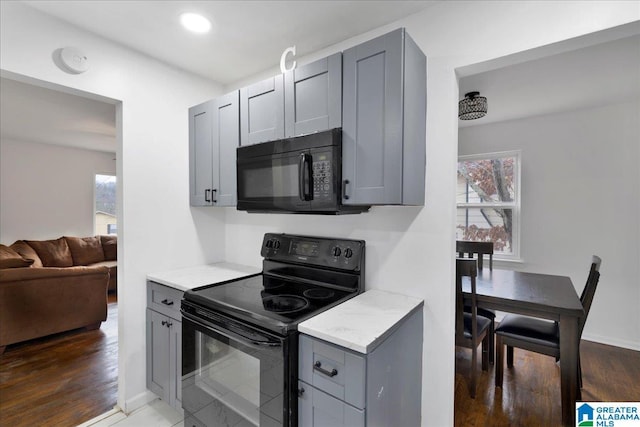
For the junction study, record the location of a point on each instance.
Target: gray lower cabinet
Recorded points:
(319, 409)
(383, 123)
(340, 387)
(214, 135)
(164, 343)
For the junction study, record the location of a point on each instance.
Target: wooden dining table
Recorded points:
(545, 296)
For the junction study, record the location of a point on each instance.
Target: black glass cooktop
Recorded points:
(268, 302)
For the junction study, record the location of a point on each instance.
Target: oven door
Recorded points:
(233, 374)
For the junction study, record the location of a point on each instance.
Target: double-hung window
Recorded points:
(488, 201)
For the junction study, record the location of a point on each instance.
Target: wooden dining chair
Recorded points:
(471, 328)
(475, 249)
(480, 249)
(541, 335)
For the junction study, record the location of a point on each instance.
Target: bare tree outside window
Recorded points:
(488, 200)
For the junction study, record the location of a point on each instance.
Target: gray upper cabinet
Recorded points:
(383, 124)
(313, 97)
(200, 154)
(262, 111)
(305, 100)
(226, 138)
(214, 135)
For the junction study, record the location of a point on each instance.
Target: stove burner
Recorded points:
(318, 293)
(267, 285)
(271, 285)
(284, 303)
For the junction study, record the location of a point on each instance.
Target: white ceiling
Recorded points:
(248, 35)
(36, 114)
(593, 76)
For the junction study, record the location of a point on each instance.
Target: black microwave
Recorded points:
(297, 175)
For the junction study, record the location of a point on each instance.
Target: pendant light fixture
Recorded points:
(472, 106)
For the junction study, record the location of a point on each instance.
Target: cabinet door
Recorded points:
(313, 97)
(158, 372)
(372, 121)
(175, 362)
(200, 154)
(318, 409)
(262, 111)
(226, 138)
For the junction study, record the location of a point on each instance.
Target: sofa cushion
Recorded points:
(53, 253)
(85, 250)
(110, 247)
(12, 259)
(113, 273)
(27, 252)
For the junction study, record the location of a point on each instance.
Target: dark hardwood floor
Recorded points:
(61, 380)
(531, 390)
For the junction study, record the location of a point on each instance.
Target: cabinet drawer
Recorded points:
(333, 370)
(164, 299)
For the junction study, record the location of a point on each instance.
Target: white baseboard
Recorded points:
(138, 401)
(112, 413)
(630, 345)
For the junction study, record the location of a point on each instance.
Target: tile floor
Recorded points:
(154, 414)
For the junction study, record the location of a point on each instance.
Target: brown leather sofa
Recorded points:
(52, 286)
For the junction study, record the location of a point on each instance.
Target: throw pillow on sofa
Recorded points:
(85, 250)
(53, 253)
(27, 252)
(12, 259)
(110, 247)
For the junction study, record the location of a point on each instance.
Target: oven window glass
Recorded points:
(233, 384)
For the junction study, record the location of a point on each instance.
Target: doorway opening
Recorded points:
(67, 139)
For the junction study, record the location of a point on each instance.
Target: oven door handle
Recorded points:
(232, 335)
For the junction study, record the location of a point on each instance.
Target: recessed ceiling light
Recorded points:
(196, 23)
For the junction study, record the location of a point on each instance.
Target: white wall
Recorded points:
(580, 196)
(158, 230)
(410, 249)
(47, 191)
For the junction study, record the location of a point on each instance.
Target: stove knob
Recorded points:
(276, 244)
(269, 244)
(336, 251)
(348, 253)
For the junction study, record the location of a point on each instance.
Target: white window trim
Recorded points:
(515, 205)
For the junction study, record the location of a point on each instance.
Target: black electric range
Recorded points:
(240, 337)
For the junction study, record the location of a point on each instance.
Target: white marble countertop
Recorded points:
(362, 322)
(188, 278)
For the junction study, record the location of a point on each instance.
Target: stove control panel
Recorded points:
(319, 251)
